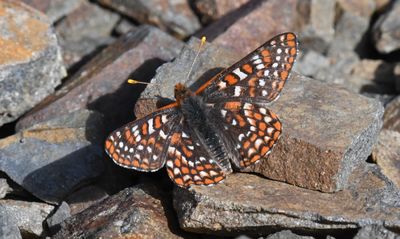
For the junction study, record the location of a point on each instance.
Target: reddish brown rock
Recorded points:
(101, 83)
(254, 25)
(30, 59)
(387, 155)
(363, 8)
(211, 10)
(132, 213)
(84, 198)
(173, 16)
(391, 118)
(251, 205)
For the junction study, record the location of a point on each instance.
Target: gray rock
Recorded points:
(52, 161)
(30, 63)
(4, 188)
(391, 118)
(386, 31)
(84, 30)
(8, 227)
(309, 62)
(397, 76)
(55, 9)
(376, 232)
(28, 216)
(124, 26)
(287, 234)
(251, 205)
(61, 213)
(84, 198)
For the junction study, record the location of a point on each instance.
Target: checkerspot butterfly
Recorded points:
(223, 124)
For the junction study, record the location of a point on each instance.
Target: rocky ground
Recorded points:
(335, 172)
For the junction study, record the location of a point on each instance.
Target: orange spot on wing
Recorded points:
(261, 133)
(185, 170)
(218, 179)
(231, 79)
(177, 163)
(257, 116)
(115, 156)
(246, 144)
(265, 53)
(267, 59)
(262, 126)
(264, 150)
(253, 137)
(241, 121)
(193, 171)
(127, 162)
(157, 122)
(276, 135)
(208, 166)
(288, 66)
(175, 138)
(252, 91)
(127, 134)
(144, 129)
(284, 75)
(186, 151)
(273, 115)
(290, 36)
(291, 59)
(200, 168)
(208, 181)
(205, 85)
(135, 163)
(247, 68)
(293, 51)
(178, 181)
(108, 144)
(255, 158)
(291, 43)
(233, 105)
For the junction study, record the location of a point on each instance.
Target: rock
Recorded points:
(386, 33)
(30, 61)
(309, 62)
(101, 83)
(8, 227)
(252, 25)
(251, 205)
(61, 213)
(324, 136)
(363, 8)
(54, 9)
(287, 234)
(124, 26)
(391, 118)
(132, 213)
(84, 198)
(4, 188)
(85, 30)
(397, 77)
(51, 161)
(28, 216)
(386, 154)
(317, 24)
(211, 10)
(375, 231)
(172, 16)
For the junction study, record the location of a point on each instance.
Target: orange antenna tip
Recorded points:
(131, 81)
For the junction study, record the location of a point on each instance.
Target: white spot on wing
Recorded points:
(222, 84)
(264, 93)
(260, 66)
(170, 164)
(257, 61)
(238, 89)
(151, 129)
(261, 82)
(239, 73)
(223, 112)
(241, 136)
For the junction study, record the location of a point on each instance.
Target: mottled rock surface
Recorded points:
(52, 160)
(386, 32)
(4, 188)
(61, 213)
(376, 232)
(140, 212)
(386, 154)
(55, 9)
(253, 205)
(324, 137)
(28, 216)
(84, 198)
(8, 227)
(211, 10)
(30, 60)
(172, 16)
(391, 118)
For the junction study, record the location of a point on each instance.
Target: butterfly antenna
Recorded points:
(203, 40)
(133, 82)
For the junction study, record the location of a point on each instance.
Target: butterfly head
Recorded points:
(181, 92)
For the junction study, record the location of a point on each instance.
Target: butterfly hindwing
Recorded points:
(260, 75)
(141, 144)
(254, 128)
(188, 161)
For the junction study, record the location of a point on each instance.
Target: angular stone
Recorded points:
(28, 216)
(101, 83)
(245, 34)
(84, 30)
(8, 226)
(324, 136)
(386, 154)
(386, 30)
(54, 9)
(124, 26)
(172, 16)
(211, 10)
(4, 188)
(84, 198)
(363, 8)
(51, 161)
(61, 213)
(375, 231)
(309, 62)
(391, 118)
(317, 24)
(287, 234)
(30, 60)
(132, 213)
(397, 77)
(249, 204)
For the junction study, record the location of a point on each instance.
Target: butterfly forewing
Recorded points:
(254, 128)
(259, 77)
(141, 144)
(188, 161)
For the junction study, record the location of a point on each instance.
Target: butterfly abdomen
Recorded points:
(195, 115)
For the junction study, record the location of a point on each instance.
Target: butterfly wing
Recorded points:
(260, 76)
(188, 161)
(142, 144)
(253, 129)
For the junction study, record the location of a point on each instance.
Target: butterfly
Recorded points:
(223, 125)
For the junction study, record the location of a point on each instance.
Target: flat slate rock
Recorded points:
(376, 232)
(132, 213)
(30, 61)
(53, 160)
(251, 205)
(101, 83)
(28, 216)
(55, 9)
(8, 226)
(324, 135)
